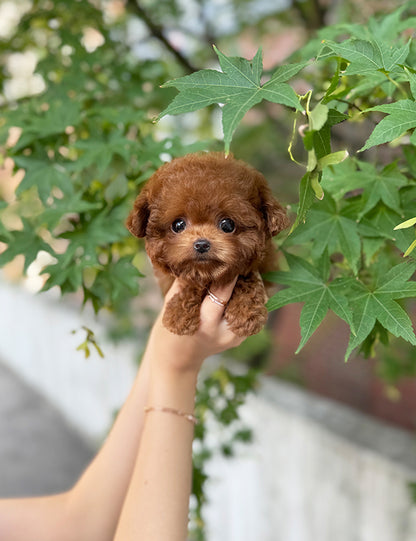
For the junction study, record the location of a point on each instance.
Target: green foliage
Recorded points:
(237, 86)
(88, 142)
(343, 253)
(219, 397)
(89, 341)
(85, 147)
(310, 285)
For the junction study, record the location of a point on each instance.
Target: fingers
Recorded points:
(216, 300)
(212, 308)
(176, 287)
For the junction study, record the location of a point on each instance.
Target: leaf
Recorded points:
(372, 82)
(411, 76)
(114, 283)
(388, 26)
(320, 140)
(333, 159)
(54, 121)
(85, 242)
(316, 187)
(406, 224)
(59, 208)
(366, 56)
(384, 221)
(104, 228)
(383, 186)
(66, 273)
(401, 117)
(318, 117)
(378, 304)
(410, 249)
(45, 175)
(306, 197)
(238, 87)
(330, 230)
(26, 242)
(100, 152)
(307, 285)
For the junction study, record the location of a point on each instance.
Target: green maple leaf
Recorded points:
(376, 185)
(58, 208)
(52, 122)
(366, 56)
(67, 274)
(101, 152)
(26, 242)
(103, 229)
(383, 186)
(378, 304)
(43, 174)
(114, 283)
(82, 252)
(306, 196)
(308, 285)
(330, 230)
(382, 220)
(344, 177)
(401, 116)
(238, 87)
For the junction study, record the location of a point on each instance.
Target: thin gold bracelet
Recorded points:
(188, 416)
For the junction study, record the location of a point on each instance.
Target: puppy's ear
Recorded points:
(274, 214)
(137, 221)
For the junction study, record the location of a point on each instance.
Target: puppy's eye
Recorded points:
(227, 225)
(178, 225)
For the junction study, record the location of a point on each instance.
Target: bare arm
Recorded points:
(156, 506)
(91, 509)
(138, 485)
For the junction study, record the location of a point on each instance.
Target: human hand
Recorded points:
(186, 353)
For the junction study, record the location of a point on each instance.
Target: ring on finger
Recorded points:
(216, 299)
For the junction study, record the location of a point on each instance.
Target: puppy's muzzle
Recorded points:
(202, 246)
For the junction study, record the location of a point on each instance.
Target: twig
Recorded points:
(157, 32)
(312, 13)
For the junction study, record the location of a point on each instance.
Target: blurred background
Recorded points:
(323, 449)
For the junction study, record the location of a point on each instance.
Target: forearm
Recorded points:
(91, 509)
(138, 485)
(97, 498)
(156, 507)
(36, 519)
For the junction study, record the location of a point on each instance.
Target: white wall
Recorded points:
(36, 340)
(317, 471)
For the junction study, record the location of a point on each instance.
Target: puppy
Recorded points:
(208, 218)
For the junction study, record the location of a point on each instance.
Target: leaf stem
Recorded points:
(292, 140)
(396, 84)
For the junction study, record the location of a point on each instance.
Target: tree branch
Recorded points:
(312, 13)
(157, 32)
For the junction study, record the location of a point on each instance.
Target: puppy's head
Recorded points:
(206, 217)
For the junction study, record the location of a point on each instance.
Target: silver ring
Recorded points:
(216, 299)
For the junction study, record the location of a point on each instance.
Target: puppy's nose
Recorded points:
(202, 246)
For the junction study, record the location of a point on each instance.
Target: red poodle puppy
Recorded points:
(208, 218)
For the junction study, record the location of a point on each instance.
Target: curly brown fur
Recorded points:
(203, 190)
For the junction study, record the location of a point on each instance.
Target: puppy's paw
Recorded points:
(182, 314)
(246, 313)
(246, 320)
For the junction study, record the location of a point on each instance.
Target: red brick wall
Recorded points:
(320, 367)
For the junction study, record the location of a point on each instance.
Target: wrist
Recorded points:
(174, 355)
(172, 389)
